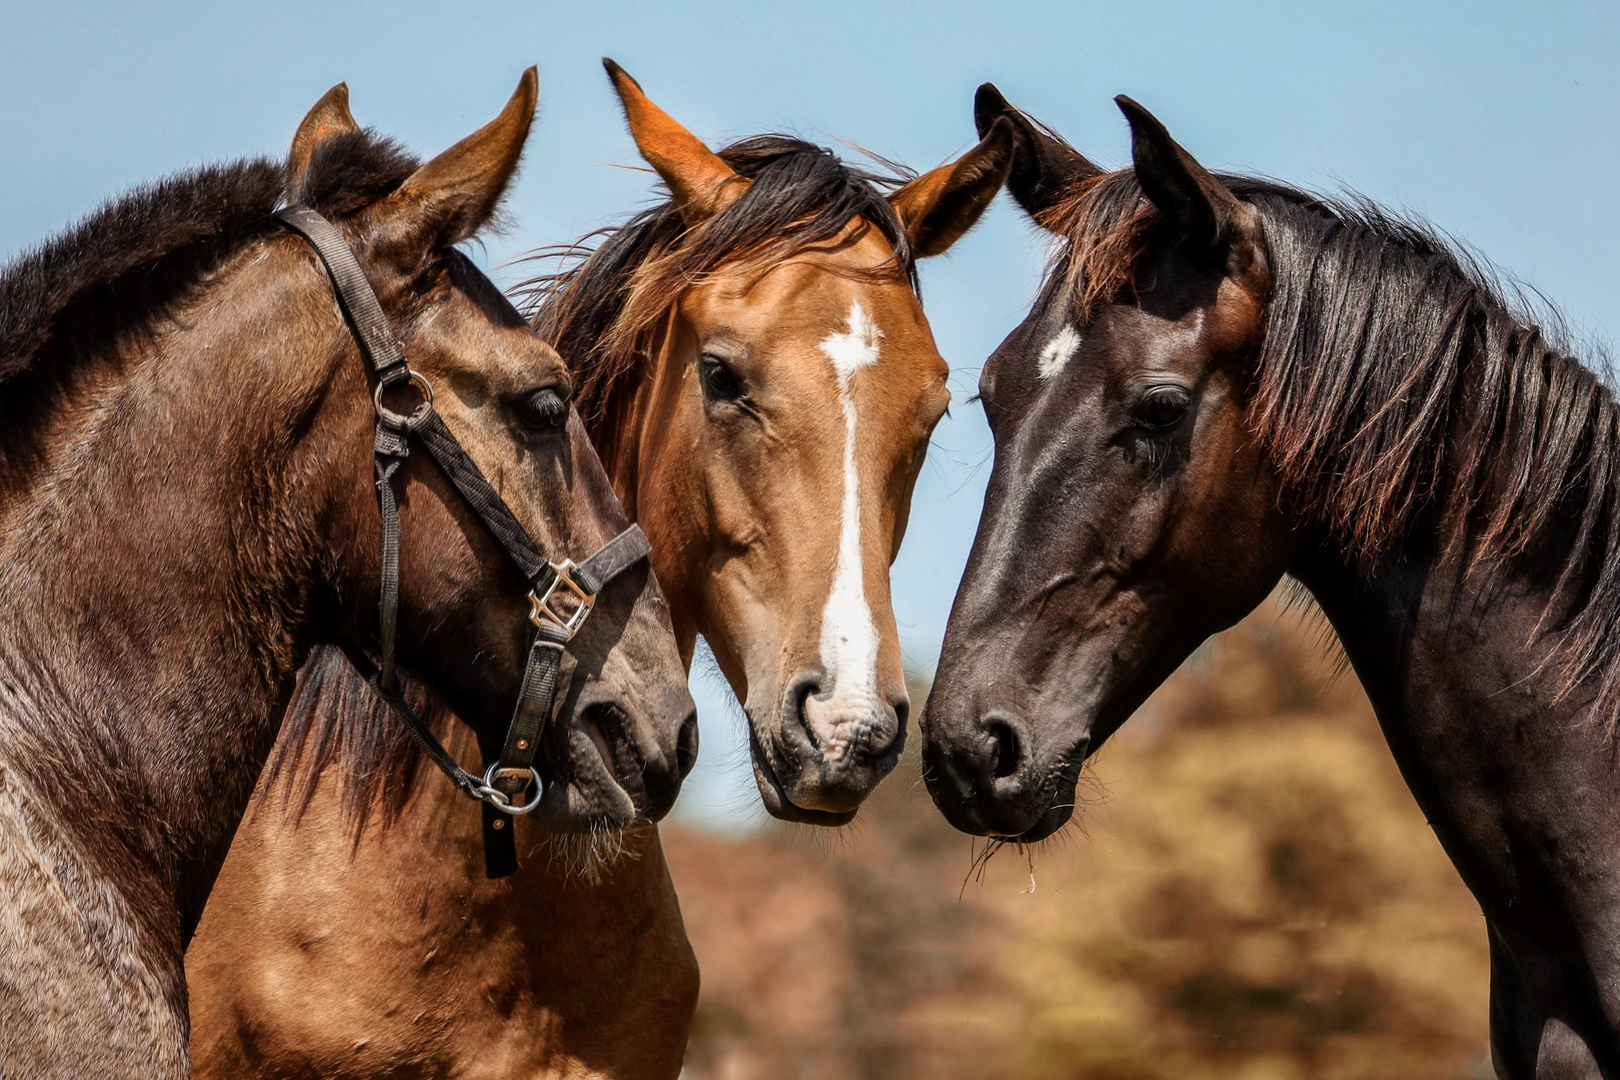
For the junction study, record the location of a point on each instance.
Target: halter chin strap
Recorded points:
(561, 594)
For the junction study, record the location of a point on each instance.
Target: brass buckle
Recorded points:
(542, 606)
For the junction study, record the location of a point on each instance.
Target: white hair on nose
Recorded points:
(849, 638)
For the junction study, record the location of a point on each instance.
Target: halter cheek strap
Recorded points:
(561, 594)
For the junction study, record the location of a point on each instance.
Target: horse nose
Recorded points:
(662, 774)
(982, 775)
(686, 746)
(840, 743)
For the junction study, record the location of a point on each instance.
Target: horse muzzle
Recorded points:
(987, 777)
(826, 750)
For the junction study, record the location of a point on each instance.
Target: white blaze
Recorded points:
(849, 639)
(1057, 352)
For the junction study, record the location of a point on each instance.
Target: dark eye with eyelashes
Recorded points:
(545, 410)
(720, 383)
(1161, 408)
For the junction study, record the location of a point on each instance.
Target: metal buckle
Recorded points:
(400, 419)
(541, 606)
(499, 799)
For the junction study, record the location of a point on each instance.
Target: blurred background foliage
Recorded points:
(1250, 892)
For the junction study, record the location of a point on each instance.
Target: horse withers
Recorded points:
(704, 342)
(1226, 380)
(188, 505)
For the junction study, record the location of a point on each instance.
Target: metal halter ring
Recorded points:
(500, 800)
(540, 606)
(385, 413)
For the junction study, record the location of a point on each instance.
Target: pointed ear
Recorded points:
(451, 197)
(328, 119)
(701, 183)
(1194, 203)
(938, 207)
(1043, 167)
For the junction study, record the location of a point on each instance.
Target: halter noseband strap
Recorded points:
(561, 594)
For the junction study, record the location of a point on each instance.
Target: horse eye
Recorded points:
(546, 410)
(720, 383)
(1162, 407)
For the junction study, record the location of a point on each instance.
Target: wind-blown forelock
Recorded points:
(601, 309)
(1404, 393)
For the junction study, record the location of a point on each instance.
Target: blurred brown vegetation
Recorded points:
(1250, 893)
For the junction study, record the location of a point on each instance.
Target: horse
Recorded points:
(756, 371)
(1226, 380)
(188, 508)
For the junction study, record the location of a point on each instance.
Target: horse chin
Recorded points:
(1048, 823)
(605, 789)
(589, 798)
(777, 804)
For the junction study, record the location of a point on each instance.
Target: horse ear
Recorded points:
(1195, 204)
(1043, 167)
(939, 206)
(451, 197)
(328, 119)
(701, 184)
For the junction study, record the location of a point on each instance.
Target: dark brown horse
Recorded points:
(1226, 380)
(187, 508)
(754, 365)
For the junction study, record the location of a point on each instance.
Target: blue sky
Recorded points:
(1500, 123)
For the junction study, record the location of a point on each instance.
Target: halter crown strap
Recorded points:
(365, 316)
(510, 774)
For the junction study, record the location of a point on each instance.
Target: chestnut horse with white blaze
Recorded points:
(754, 367)
(191, 439)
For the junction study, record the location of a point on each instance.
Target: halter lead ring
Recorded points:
(497, 798)
(512, 771)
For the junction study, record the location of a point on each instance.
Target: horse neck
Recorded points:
(158, 570)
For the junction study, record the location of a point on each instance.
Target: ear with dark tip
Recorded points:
(1194, 203)
(701, 183)
(1042, 167)
(328, 119)
(451, 197)
(940, 206)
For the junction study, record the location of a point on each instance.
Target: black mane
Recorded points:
(1404, 393)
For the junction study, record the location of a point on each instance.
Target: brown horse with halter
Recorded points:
(206, 424)
(1226, 380)
(757, 374)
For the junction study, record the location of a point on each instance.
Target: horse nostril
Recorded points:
(686, 746)
(902, 712)
(807, 689)
(1006, 748)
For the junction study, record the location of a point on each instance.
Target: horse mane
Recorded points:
(601, 308)
(1400, 383)
(336, 717)
(127, 263)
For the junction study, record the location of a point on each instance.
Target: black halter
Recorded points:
(561, 594)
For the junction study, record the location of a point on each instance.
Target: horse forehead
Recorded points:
(483, 344)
